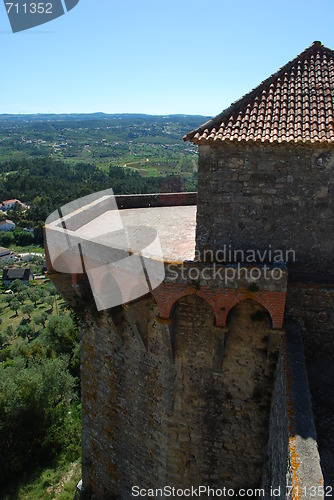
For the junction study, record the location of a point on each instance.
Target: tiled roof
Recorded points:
(16, 273)
(296, 104)
(6, 202)
(6, 221)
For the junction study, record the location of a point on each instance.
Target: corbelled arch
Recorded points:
(221, 300)
(250, 300)
(167, 296)
(242, 297)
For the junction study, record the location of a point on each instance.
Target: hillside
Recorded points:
(151, 144)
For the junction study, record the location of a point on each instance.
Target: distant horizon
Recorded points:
(103, 113)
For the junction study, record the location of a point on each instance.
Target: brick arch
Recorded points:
(167, 295)
(221, 301)
(273, 302)
(137, 293)
(242, 299)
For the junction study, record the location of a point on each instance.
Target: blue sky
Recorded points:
(155, 56)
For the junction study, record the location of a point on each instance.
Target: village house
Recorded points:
(6, 254)
(7, 225)
(11, 204)
(16, 273)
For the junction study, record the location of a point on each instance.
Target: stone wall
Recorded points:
(253, 196)
(293, 465)
(312, 305)
(127, 395)
(168, 403)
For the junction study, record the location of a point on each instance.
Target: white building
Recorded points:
(6, 254)
(7, 225)
(10, 204)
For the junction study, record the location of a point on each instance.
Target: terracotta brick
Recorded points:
(221, 302)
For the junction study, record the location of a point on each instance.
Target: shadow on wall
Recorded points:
(224, 410)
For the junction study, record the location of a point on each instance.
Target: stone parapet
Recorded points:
(125, 201)
(293, 466)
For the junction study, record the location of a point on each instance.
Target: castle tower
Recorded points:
(178, 385)
(266, 166)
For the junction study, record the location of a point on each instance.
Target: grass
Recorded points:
(28, 249)
(9, 317)
(58, 482)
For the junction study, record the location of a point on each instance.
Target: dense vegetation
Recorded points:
(39, 381)
(46, 184)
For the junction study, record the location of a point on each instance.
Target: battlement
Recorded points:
(155, 200)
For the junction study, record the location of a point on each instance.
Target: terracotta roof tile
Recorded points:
(296, 104)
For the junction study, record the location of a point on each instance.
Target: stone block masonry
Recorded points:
(312, 305)
(250, 196)
(163, 405)
(177, 385)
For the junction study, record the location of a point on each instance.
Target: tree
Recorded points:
(7, 239)
(63, 333)
(41, 319)
(25, 332)
(39, 232)
(35, 403)
(3, 339)
(15, 305)
(27, 309)
(17, 286)
(42, 293)
(9, 297)
(34, 295)
(23, 238)
(9, 331)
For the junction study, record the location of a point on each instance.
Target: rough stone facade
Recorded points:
(177, 387)
(312, 305)
(166, 398)
(292, 467)
(256, 195)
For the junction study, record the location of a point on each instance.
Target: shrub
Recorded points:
(35, 409)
